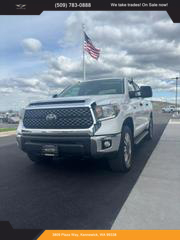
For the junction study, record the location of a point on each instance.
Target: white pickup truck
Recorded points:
(97, 118)
(168, 109)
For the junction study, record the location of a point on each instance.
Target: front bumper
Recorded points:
(81, 145)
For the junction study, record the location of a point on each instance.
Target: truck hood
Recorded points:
(80, 100)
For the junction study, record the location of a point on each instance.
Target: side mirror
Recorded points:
(146, 91)
(55, 96)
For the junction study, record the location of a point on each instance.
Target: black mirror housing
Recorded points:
(132, 94)
(146, 91)
(55, 96)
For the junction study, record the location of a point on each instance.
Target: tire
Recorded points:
(150, 129)
(122, 161)
(37, 158)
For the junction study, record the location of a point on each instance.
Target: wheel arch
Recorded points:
(129, 122)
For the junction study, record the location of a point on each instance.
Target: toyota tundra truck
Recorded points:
(101, 118)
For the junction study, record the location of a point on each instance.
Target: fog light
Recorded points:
(106, 144)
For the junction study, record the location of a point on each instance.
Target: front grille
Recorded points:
(61, 118)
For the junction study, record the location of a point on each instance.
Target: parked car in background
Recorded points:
(168, 109)
(2, 118)
(13, 119)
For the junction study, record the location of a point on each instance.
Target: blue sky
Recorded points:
(16, 28)
(40, 55)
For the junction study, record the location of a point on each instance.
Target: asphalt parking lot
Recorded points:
(66, 195)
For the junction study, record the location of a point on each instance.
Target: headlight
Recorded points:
(106, 111)
(21, 113)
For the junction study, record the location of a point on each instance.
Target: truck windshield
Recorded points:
(99, 87)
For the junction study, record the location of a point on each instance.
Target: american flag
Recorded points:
(89, 47)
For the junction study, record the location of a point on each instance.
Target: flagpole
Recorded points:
(84, 66)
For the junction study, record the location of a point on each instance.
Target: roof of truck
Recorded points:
(101, 79)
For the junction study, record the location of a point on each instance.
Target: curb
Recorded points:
(6, 134)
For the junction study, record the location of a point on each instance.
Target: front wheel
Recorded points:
(122, 161)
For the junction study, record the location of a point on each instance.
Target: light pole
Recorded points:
(176, 78)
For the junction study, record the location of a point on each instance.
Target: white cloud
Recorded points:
(31, 45)
(6, 90)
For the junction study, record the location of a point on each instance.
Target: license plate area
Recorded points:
(49, 150)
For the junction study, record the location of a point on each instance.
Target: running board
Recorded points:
(140, 137)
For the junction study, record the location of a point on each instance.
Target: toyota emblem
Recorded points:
(51, 117)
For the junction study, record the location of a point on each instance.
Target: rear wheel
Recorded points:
(122, 161)
(37, 158)
(150, 129)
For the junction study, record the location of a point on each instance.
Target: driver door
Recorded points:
(138, 109)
